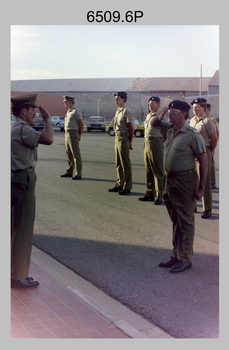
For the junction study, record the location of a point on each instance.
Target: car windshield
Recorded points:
(57, 118)
(38, 119)
(96, 119)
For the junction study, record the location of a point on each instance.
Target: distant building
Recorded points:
(213, 88)
(97, 95)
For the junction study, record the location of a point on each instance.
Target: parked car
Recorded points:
(138, 129)
(38, 123)
(96, 123)
(61, 126)
(55, 120)
(111, 131)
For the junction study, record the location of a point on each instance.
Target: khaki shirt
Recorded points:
(182, 148)
(205, 127)
(24, 142)
(149, 130)
(121, 118)
(213, 119)
(71, 119)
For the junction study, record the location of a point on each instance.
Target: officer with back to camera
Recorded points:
(24, 143)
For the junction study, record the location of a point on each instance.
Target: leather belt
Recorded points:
(177, 173)
(21, 170)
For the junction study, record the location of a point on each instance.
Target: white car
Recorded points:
(96, 123)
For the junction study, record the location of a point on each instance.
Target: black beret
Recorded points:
(122, 94)
(154, 98)
(199, 100)
(181, 105)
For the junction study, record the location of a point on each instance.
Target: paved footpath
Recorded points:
(66, 306)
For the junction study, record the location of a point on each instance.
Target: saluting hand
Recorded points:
(162, 113)
(45, 114)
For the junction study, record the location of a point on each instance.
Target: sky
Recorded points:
(113, 51)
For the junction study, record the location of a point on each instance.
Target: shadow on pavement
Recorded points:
(185, 305)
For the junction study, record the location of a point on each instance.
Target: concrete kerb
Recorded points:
(130, 323)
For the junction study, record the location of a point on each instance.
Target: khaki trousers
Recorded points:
(207, 197)
(22, 221)
(72, 140)
(123, 164)
(154, 166)
(180, 203)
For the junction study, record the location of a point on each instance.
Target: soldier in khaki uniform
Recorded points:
(183, 144)
(208, 131)
(124, 131)
(208, 115)
(24, 142)
(153, 155)
(73, 130)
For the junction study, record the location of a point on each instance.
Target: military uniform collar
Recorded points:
(199, 119)
(184, 128)
(152, 114)
(20, 121)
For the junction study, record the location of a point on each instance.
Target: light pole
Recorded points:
(200, 79)
(98, 106)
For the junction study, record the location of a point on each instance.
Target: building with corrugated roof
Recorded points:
(96, 95)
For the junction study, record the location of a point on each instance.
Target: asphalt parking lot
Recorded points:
(116, 242)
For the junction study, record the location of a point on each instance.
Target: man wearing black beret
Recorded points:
(153, 155)
(183, 144)
(124, 131)
(207, 129)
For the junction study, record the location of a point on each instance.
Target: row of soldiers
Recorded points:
(153, 147)
(178, 159)
(184, 146)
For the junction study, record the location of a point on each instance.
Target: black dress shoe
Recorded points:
(172, 261)
(115, 189)
(27, 282)
(76, 177)
(124, 192)
(146, 198)
(180, 266)
(66, 175)
(158, 201)
(207, 214)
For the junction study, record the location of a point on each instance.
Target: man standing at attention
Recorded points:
(73, 130)
(124, 131)
(153, 156)
(24, 142)
(208, 131)
(208, 115)
(183, 144)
